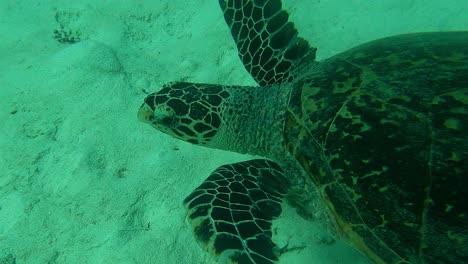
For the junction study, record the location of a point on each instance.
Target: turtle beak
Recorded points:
(145, 113)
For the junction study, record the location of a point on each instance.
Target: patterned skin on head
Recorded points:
(187, 111)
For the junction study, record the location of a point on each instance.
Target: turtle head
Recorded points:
(242, 119)
(187, 111)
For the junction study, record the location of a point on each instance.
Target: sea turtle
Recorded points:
(378, 132)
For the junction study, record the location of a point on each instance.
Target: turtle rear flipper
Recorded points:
(231, 212)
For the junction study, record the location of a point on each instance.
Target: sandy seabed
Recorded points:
(81, 180)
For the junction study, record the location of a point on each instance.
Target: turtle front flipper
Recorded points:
(268, 43)
(232, 211)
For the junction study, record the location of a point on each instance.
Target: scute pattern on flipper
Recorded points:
(267, 42)
(232, 210)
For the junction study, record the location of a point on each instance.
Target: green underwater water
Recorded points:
(82, 180)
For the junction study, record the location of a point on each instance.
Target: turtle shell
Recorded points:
(381, 130)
